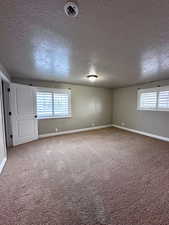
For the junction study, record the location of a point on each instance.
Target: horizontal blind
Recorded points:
(62, 104)
(163, 100)
(44, 104)
(54, 103)
(148, 100)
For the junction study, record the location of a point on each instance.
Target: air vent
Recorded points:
(71, 9)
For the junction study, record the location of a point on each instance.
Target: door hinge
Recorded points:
(11, 136)
(10, 114)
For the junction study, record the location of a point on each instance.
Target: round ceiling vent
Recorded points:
(71, 9)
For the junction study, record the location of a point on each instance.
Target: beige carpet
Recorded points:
(107, 176)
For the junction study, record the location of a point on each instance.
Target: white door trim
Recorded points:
(2, 164)
(3, 129)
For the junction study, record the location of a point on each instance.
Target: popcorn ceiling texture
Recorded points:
(103, 177)
(124, 42)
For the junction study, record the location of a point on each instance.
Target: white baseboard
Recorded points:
(142, 133)
(2, 164)
(74, 131)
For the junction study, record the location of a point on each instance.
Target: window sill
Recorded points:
(144, 109)
(54, 117)
(154, 110)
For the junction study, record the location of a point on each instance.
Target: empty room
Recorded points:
(84, 112)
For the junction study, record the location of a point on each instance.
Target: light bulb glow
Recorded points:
(92, 78)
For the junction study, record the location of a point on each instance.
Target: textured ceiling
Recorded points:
(124, 42)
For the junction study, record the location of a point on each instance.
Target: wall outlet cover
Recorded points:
(56, 129)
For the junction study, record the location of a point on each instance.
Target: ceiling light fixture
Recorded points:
(92, 78)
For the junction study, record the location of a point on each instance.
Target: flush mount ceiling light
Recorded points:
(92, 78)
(71, 9)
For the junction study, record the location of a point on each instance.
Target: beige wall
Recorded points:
(101, 106)
(125, 111)
(90, 106)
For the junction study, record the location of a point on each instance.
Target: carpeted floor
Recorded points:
(101, 177)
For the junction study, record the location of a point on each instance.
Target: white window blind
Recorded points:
(156, 99)
(148, 100)
(163, 100)
(44, 104)
(53, 103)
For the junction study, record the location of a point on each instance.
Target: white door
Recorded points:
(23, 107)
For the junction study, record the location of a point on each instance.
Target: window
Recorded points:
(53, 103)
(148, 100)
(163, 100)
(156, 99)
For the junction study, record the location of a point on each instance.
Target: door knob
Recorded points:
(36, 116)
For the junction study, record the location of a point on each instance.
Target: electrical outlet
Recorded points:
(56, 129)
(123, 124)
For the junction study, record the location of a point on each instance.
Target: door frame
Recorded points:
(7, 110)
(2, 164)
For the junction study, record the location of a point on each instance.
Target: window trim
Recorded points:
(147, 90)
(55, 90)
